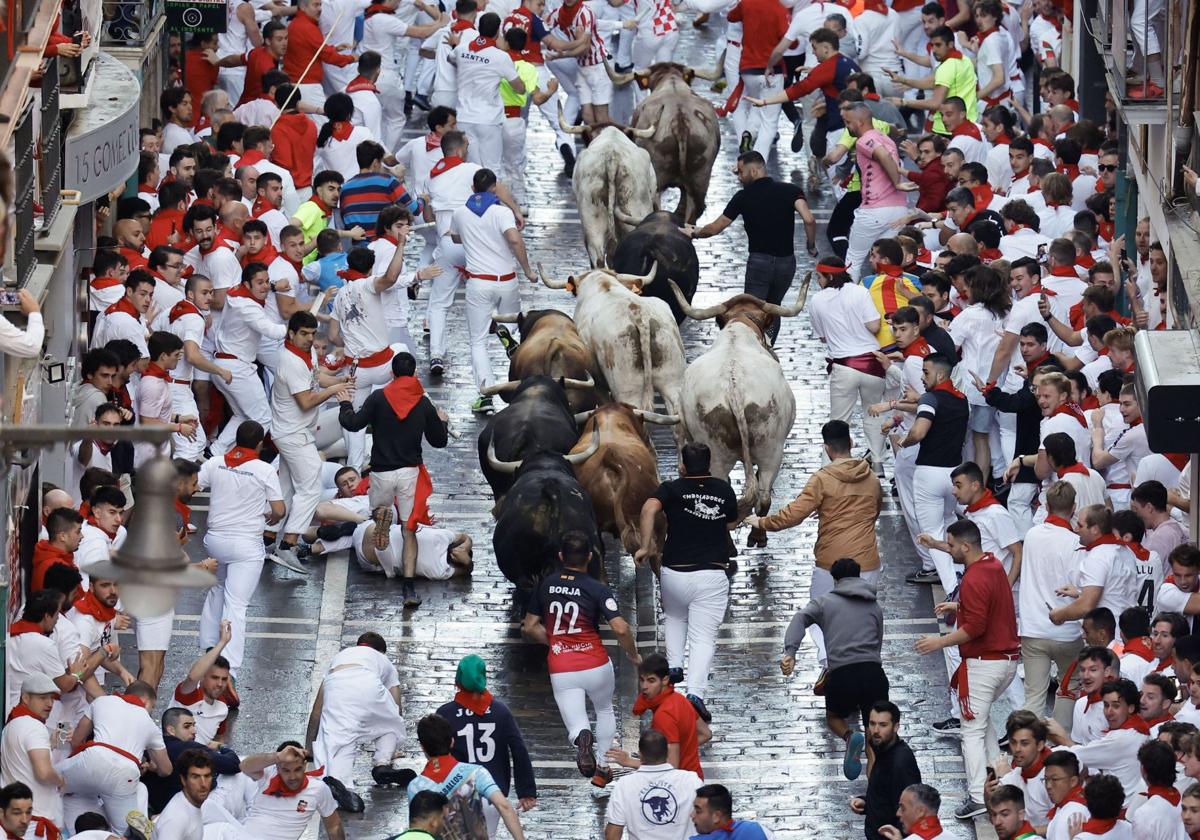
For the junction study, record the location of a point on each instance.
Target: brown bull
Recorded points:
(551, 346)
(686, 135)
(623, 473)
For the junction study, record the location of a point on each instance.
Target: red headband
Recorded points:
(831, 269)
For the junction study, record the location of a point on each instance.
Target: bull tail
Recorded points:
(644, 338)
(611, 224)
(749, 498)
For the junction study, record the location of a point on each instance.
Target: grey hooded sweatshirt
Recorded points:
(851, 619)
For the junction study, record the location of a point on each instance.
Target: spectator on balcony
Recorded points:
(262, 60)
(178, 115)
(23, 343)
(64, 46)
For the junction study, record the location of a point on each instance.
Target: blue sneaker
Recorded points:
(852, 763)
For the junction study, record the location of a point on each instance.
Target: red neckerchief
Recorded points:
(1077, 467)
(1160, 719)
(1003, 139)
(184, 307)
(439, 767)
(1092, 699)
(481, 43)
(433, 140)
(462, 25)
(266, 255)
(1064, 271)
(1071, 409)
(447, 163)
(21, 627)
(1085, 262)
(325, 209)
(966, 128)
(1167, 793)
(276, 787)
(924, 257)
(949, 388)
(920, 348)
(1169, 662)
(1052, 519)
(1033, 769)
(21, 710)
(378, 9)
(239, 455)
(1075, 794)
(340, 131)
(1073, 104)
(91, 520)
(644, 704)
(349, 274)
(89, 604)
(217, 243)
(261, 207)
(1090, 402)
(125, 305)
(986, 500)
(359, 83)
(872, 97)
(890, 270)
(1106, 539)
(1096, 825)
(1036, 364)
(990, 255)
(132, 700)
(1106, 229)
(306, 357)
(402, 394)
(983, 195)
(251, 157)
(1039, 289)
(477, 702)
(927, 827)
(875, 6)
(155, 370)
(1140, 552)
(1071, 170)
(1140, 647)
(243, 291)
(567, 14)
(147, 188)
(952, 54)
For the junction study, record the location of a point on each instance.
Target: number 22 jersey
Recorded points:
(570, 605)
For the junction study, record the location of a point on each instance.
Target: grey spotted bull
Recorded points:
(736, 399)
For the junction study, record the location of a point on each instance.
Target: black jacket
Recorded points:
(499, 735)
(162, 788)
(1022, 403)
(895, 769)
(395, 443)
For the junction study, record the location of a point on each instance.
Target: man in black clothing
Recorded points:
(768, 208)
(893, 768)
(700, 510)
(399, 415)
(933, 332)
(486, 733)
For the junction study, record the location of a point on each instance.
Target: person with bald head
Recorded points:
(1062, 117)
(233, 216)
(131, 242)
(52, 499)
(963, 244)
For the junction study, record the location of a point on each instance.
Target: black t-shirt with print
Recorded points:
(698, 511)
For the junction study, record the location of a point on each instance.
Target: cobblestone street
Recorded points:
(770, 743)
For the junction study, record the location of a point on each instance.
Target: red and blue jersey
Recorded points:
(571, 605)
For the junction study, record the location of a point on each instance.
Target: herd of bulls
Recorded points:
(571, 451)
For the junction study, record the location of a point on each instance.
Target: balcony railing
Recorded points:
(1125, 40)
(129, 23)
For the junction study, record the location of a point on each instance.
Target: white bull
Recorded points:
(736, 399)
(614, 186)
(635, 339)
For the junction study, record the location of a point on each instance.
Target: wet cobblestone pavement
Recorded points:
(770, 744)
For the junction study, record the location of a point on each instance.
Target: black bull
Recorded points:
(658, 238)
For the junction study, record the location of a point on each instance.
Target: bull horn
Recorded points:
(708, 75)
(569, 129)
(506, 317)
(495, 463)
(625, 218)
(654, 417)
(577, 458)
(584, 416)
(643, 133)
(794, 309)
(499, 388)
(639, 279)
(579, 383)
(617, 78)
(550, 284)
(691, 311)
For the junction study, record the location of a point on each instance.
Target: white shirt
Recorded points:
(124, 725)
(1135, 668)
(293, 376)
(180, 820)
(1068, 290)
(342, 155)
(165, 297)
(654, 803)
(1059, 827)
(103, 292)
(874, 34)
(481, 67)
(1170, 598)
(448, 191)
(993, 51)
(1129, 447)
(210, 715)
(1110, 567)
(370, 659)
(433, 545)
(1022, 243)
(275, 222)
(20, 737)
(998, 530)
(189, 327)
(368, 112)
(396, 298)
(359, 310)
(1114, 752)
(1049, 560)
(1087, 721)
(999, 169)
(1156, 819)
(487, 251)
(26, 343)
(382, 33)
(25, 655)
(261, 111)
(175, 135)
(244, 324)
(976, 333)
(1037, 801)
(1025, 311)
(418, 160)
(115, 325)
(1121, 831)
(95, 547)
(286, 817)
(840, 318)
(1067, 423)
(239, 496)
(1057, 221)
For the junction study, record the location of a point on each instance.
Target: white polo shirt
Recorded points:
(180, 820)
(210, 715)
(20, 736)
(655, 803)
(25, 655)
(1110, 567)
(239, 496)
(360, 311)
(286, 817)
(840, 316)
(449, 190)
(481, 67)
(293, 376)
(220, 265)
(483, 241)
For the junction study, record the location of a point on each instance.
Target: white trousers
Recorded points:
(452, 260)
(905, 471)
(483, 298)
(1020, 505)
(337, 78)
(936, 508)
(870, 223)
(485, 143)
(694, 605)
(1007, 423)
(1141, 24)
(549, 108)
(239, 566)
(367, 380)
(183, 403)
(849, 387)
(733, 58)
(762, 123)
(512, 169)
(822, 584)
(299, 478)
(99, 774)
(247, 400)
(987, 680)
(232, 80)
(566, 70)
(391, 103)
(572, 690)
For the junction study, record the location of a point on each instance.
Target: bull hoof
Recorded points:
(757, 538)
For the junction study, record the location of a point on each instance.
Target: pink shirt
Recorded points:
(877, 188)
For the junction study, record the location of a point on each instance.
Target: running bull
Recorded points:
(545, 501)
(551, 346)
(686, 135)
(658, 239)
(737, 401)
(538, 418)
(624, 473)
(613, 181)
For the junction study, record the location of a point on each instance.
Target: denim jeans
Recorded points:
(768, 278)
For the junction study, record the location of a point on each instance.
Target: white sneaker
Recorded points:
(287, 558)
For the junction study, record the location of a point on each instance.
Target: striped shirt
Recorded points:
(367, 193)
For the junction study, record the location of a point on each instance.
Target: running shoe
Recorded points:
(506, 340)
(747, 142)
(346, 799)
(970, 809)
(819, 685)
(949, 726)
(385, 774)
(585, 756)
(602, 777)
(140, 826)
(852, 763)
(409, 592)
(701, 709)
(482, 405)
(923, 576)
(382, 517)
(285, 556)
(568, 156)
(675, 675)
